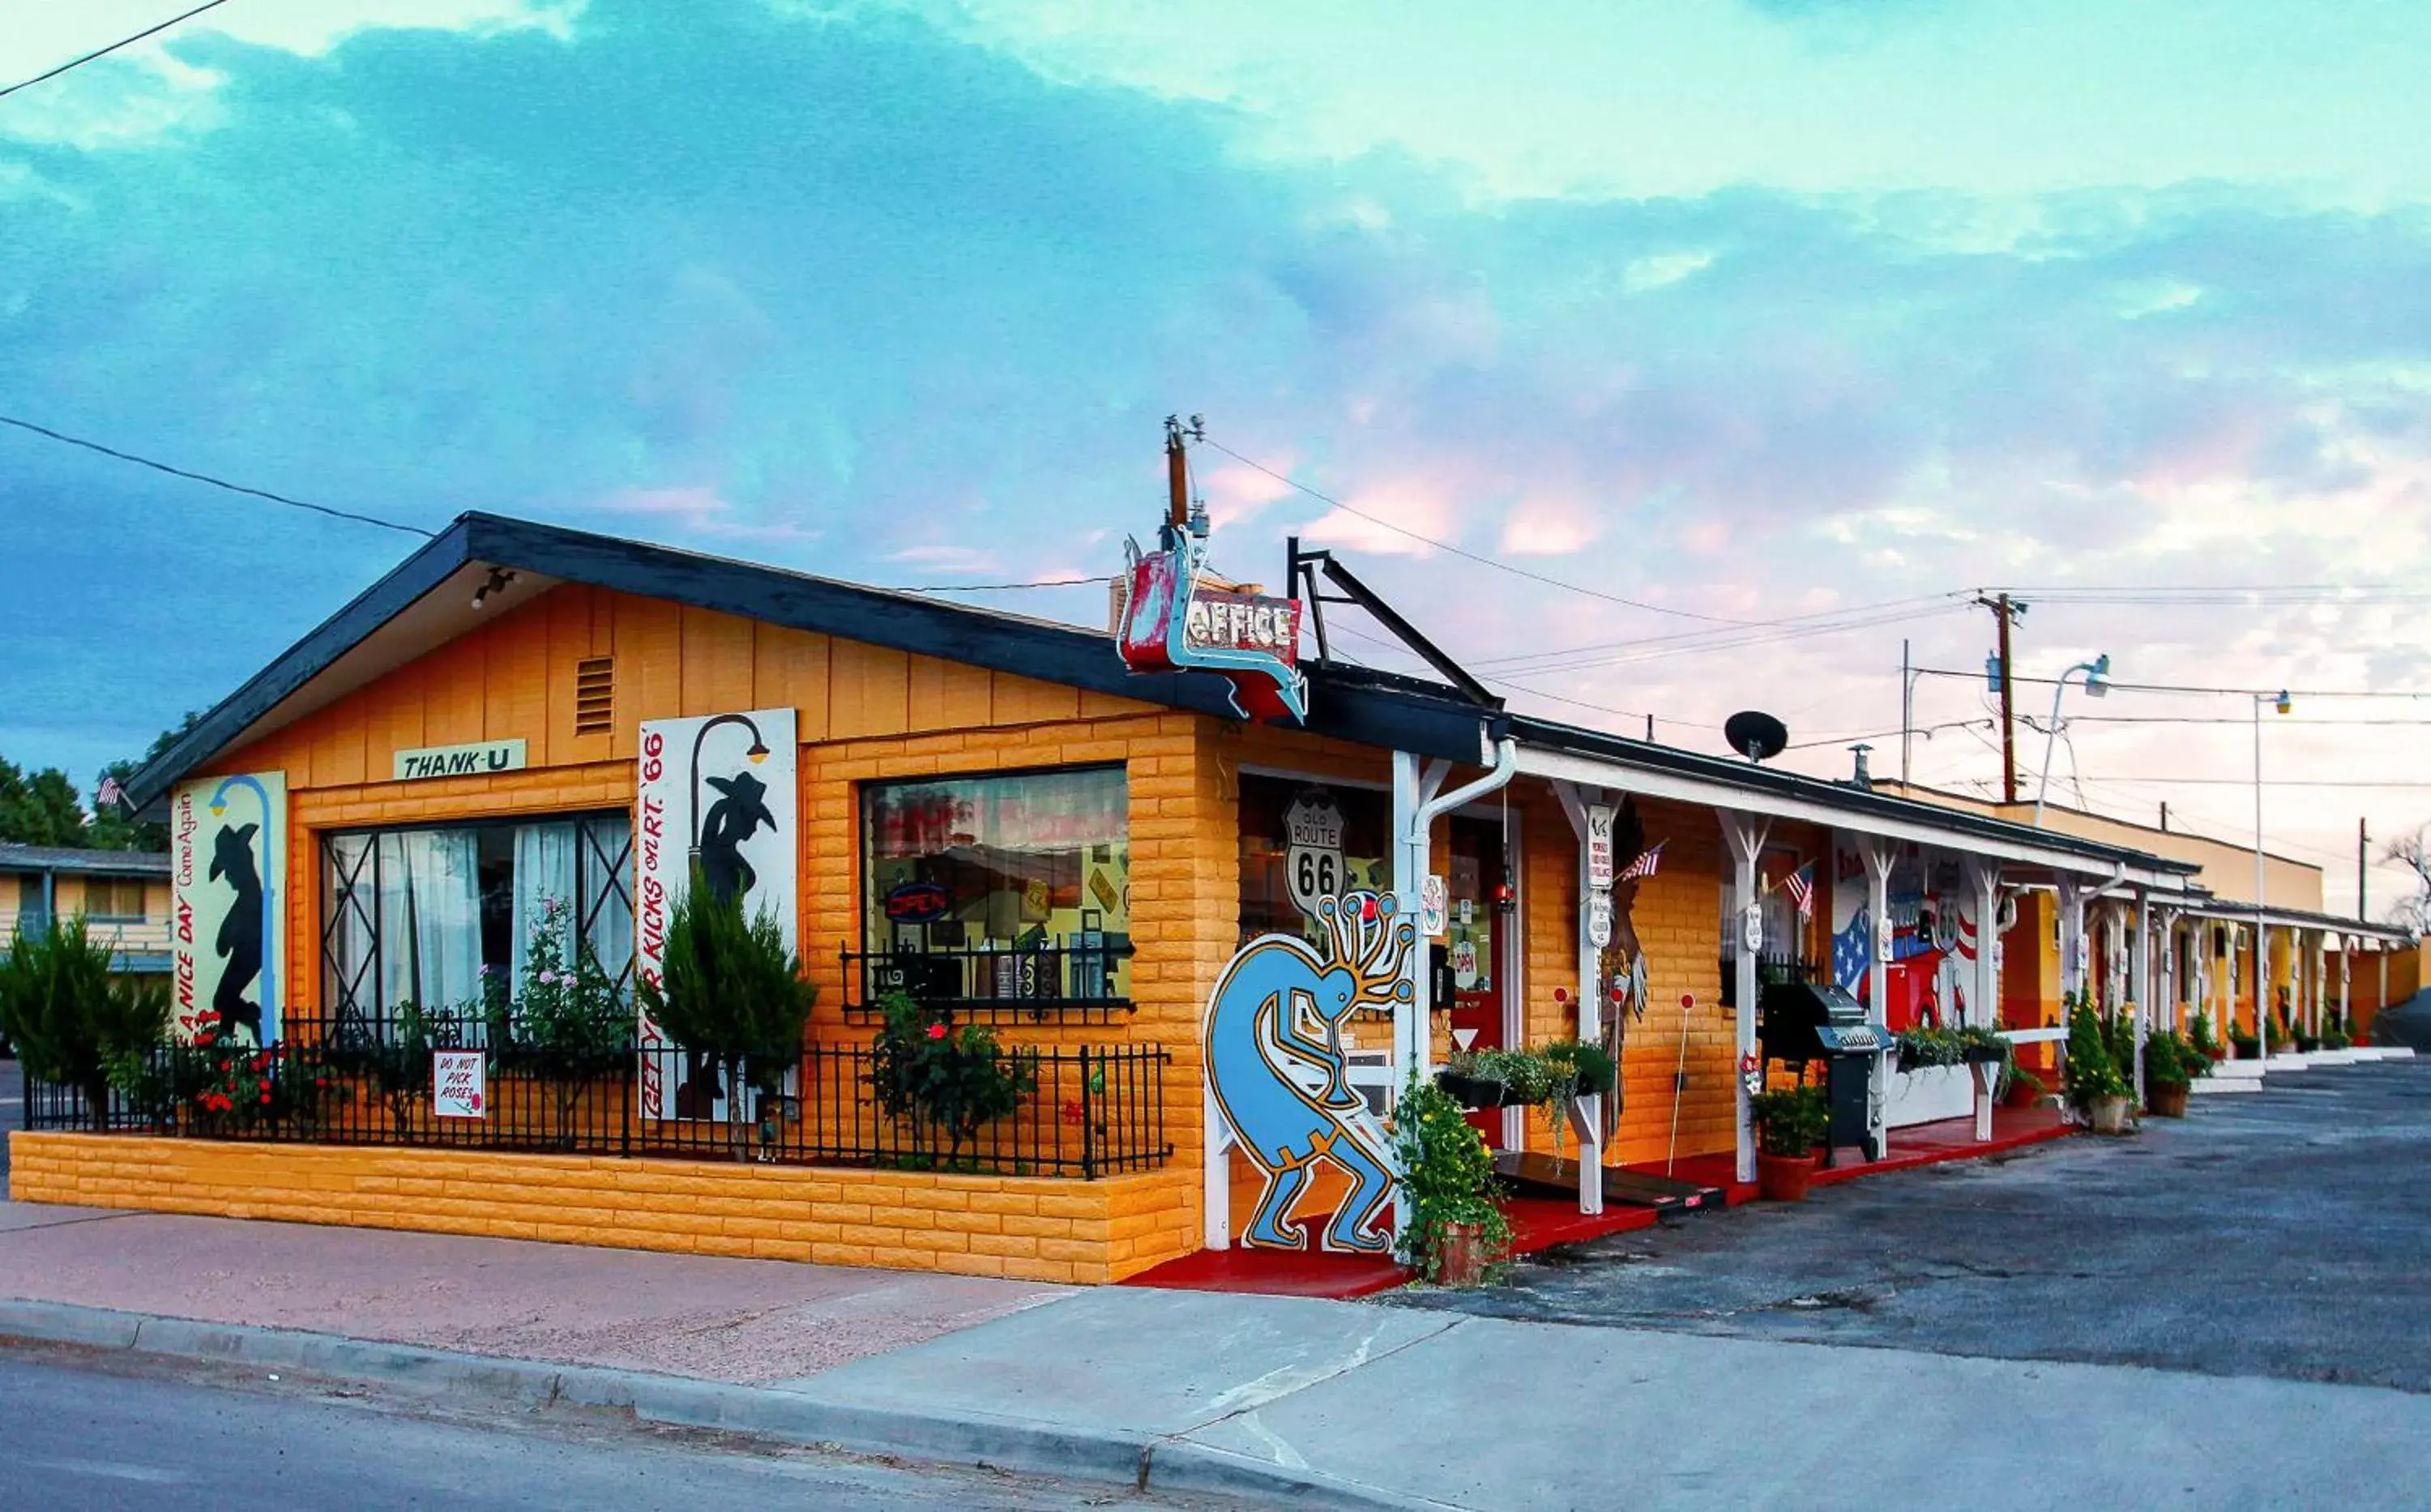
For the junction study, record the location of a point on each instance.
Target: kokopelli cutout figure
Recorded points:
(1274, 1027)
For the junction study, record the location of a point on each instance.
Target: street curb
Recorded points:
(1140, 1461)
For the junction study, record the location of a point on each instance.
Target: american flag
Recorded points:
(1645, 864)
(110, 794)
(1802, 889)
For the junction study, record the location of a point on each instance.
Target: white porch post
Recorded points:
(1413, 785)
(1982, 882)
(1881, 855)
(1744, 834)
(2072, 938)
(2139, 976)
(2347, 944)
(1590, 1125)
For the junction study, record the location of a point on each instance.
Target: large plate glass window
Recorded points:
(999, 890)
(440, 916)
(1304, 840)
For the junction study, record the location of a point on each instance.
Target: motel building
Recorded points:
(1011, 820)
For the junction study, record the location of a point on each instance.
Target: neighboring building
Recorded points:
(123, 896)
(992, 813)
(2321, 967)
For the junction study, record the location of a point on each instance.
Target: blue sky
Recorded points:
(1740, 309)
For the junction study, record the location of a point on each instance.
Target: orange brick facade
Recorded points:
(868, 714)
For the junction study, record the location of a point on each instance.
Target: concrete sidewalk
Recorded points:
(1330, 1404)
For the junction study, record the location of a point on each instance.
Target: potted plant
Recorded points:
(2024, 1088)
(2095, 1087)
(1791, 1124)
(1982, 1046)
(2199, 1034)
(2171, 1066)
(1453, 1229)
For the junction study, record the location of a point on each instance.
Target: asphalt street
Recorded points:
(101, 1435)
(2281, 1233)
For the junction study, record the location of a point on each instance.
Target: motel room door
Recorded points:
(1473, 935)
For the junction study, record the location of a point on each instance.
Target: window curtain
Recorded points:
(607, 910)
(429, 918)
(544, 874)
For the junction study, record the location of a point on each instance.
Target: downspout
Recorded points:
(1506, 763)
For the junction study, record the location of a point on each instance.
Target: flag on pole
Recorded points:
(1802, 889)
(1645, 864)
(110, 794)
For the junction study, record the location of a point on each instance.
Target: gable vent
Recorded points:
(594, 695)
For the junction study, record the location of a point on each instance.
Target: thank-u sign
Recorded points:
(480, 759)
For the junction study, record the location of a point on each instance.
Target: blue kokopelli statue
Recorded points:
(1274, 1026)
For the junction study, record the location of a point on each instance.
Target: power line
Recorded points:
(104, 51)
(215, 482)
(2181, 687)
(1467, 555)
(1938, 601)
(999, 587)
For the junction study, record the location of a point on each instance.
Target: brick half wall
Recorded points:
(1026, 1228)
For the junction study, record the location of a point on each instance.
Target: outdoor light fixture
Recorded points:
(1505, 897)
(500, 578)
(2094, 672)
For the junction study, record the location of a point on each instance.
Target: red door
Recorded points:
(1473, 935)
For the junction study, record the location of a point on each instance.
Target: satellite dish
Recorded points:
(1755, 735)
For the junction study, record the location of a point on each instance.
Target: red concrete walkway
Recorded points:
(1540, 1223)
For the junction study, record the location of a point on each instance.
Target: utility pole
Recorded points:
(2363, 849)
(1177, 475)
(1908, 712)
(2006, 611)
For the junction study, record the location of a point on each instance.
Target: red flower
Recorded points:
(1072, 1112)
(936, 1031)
(265, 1095)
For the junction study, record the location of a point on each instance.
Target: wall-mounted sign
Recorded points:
(227, 838)
(717, 796)
(1312, 849)
(1600, 919)
(480, 759)
(459, 1083)
(1599, 819)
(1434, 895)
(918, 902)
(1168, 623)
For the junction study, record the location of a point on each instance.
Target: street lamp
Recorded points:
(2094, 672)
(2261, 933)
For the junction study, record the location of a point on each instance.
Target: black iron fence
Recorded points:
(1086, 1111)
(1083, 978)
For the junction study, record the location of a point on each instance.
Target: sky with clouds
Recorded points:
(1742, 310)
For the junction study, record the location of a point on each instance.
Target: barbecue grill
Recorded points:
(1797, 1022)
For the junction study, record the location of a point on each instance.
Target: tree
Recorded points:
(68, 1018)
(113, 828)
(2413, 851)
(39, 807)
(732, 996)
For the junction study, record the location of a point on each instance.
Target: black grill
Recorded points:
(1797, 1022)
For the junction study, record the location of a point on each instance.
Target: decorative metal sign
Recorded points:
(1169, 622)
(1600, 919)
(480, 759)
(1433, 905)
(1599, 817)
(1283, 1090)
(1313, 850)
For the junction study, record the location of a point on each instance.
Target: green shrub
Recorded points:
(943, 1080)
(731, 992)
(1791, 1120)
(68, 1018)
(2171, 1060)
(1446, 1177)
(2091, 1070)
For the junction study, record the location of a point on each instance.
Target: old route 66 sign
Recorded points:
(1312, 849)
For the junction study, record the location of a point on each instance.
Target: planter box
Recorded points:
(1929, 1094)
(1474, 1093)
